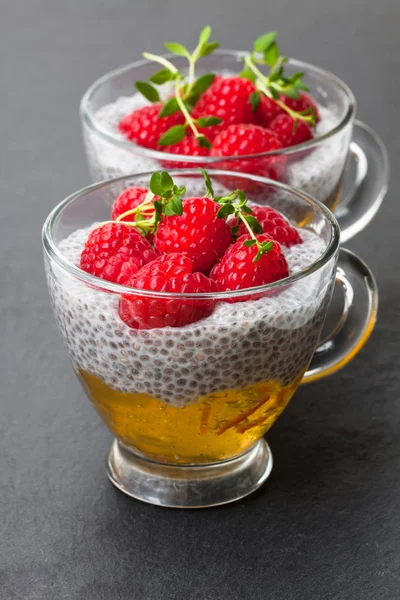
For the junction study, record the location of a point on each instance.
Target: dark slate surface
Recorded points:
(326, 525)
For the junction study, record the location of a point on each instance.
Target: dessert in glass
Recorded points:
(191, 313)
(245, 112)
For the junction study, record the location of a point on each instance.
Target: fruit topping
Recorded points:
(200, 109)
(250, 262)
(191, 237)
(168, 273)
(273, 223)
(227, 98)
(115, 251)
(289, 131)
(197, 233)
(239, 140)
(145, 126)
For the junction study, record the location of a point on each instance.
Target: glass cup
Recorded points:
(189, 405)
(346, 167)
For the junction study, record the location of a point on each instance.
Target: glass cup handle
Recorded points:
(365, 181)
(356, 322)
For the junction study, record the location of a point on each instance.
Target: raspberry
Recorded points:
(228, 99)
(238, 271)
(238, 140)
(129, 199)
(274, 224)
(115, 252)
(189, 146)
(266, 111)
(145, 127)
(289, 131)
(198, 233)
(168, 273)
(300, 104)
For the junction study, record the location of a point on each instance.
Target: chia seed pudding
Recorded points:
(269, 338)
(317, 172)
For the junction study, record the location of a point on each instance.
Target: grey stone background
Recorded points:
(326, 525)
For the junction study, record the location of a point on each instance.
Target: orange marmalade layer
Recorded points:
(216, 427)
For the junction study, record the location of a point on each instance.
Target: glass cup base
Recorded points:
(189, 486)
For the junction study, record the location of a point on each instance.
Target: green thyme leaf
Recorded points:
(174, 207)
(162, 76)
(254, 224)
(179, 191)
(263, 248)
(159, 209)
(296, 77)
(173, 135)
(177, 48)
(228, 198)
(208, 48)
(249, 243)
(203, 141)
(187, 89)
(247, 74)
(275, 83)
(167, 194)
(274, 92)
(263, 42)
(155, 184)
(205, 35)
(148, 91)
(202, 83)
(207, 181)
(167, 183)
(276, 76)
(291, 93)
(271, 55)
(190, 105)
(170, 107)
(225, 211)
(208, 121)
(254, 100)
(191, 101)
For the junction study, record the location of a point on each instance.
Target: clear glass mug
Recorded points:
(189, 405)
(346, 167)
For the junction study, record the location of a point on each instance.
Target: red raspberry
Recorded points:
(300, 104)
(115, 252)
(238, 271)
(145, 127)
(198, 233)
(228, 99)
(266, 111)
(168, 273)
(189, 146)
(238, 140)
(289, 131)
(129, 199)
(274, 224)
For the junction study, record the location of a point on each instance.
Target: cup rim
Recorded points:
(88, 117)
(53, 252)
